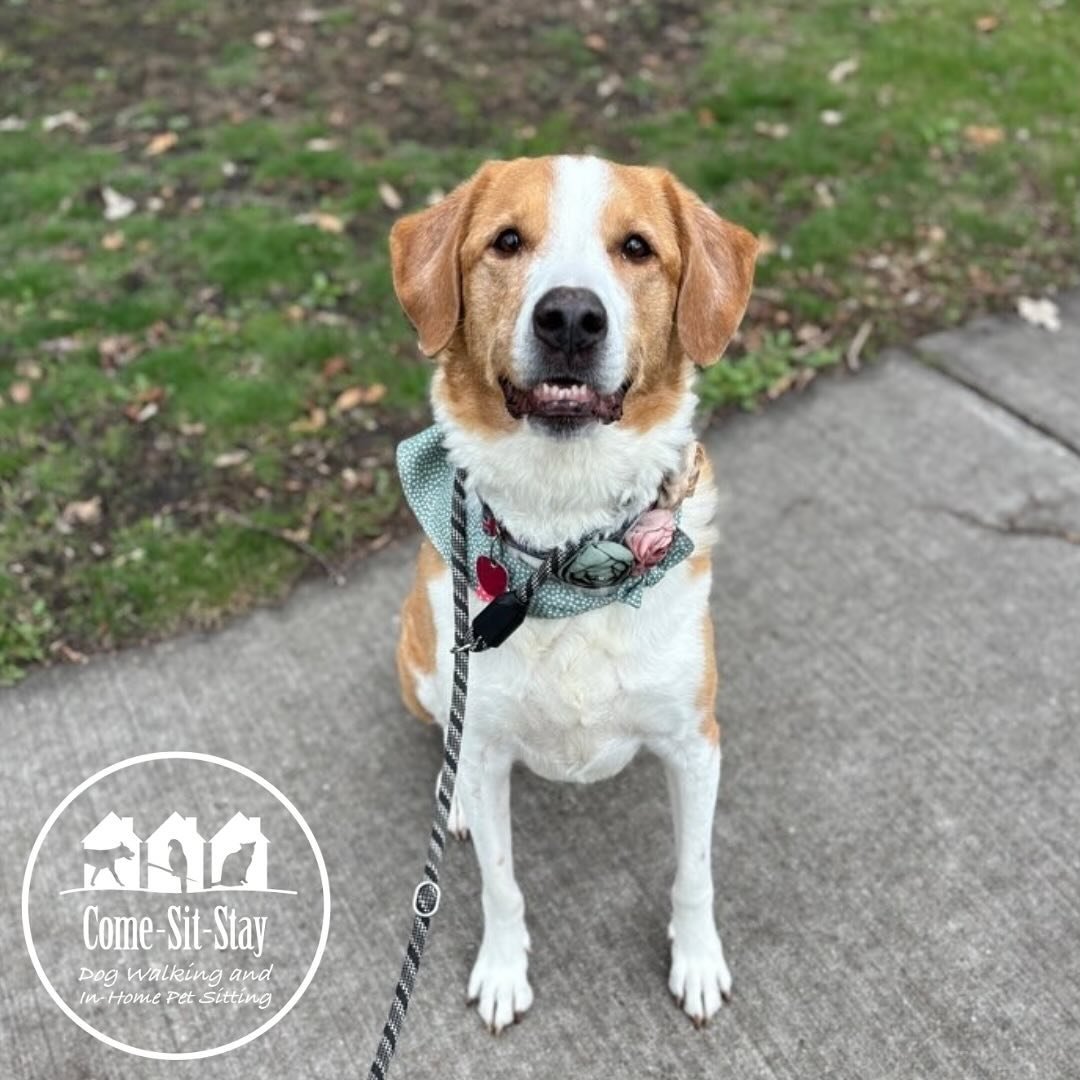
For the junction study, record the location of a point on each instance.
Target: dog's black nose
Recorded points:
(570, 321)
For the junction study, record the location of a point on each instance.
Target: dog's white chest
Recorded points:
(576, 698)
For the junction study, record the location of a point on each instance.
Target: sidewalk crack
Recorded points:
(1014, 524)
(933, 363)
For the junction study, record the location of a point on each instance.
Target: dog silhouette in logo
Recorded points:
(106, 859)
(234, 866)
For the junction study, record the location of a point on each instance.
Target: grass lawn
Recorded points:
(203, 370)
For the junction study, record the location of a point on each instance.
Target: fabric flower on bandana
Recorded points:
(649, 538)
(599, 564)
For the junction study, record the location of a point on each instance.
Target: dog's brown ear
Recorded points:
(718, 273)
(424, 258)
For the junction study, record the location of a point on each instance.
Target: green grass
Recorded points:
(182, 364)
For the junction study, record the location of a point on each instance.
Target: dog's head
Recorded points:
(569, 293)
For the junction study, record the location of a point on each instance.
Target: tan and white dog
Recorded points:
(568, 302)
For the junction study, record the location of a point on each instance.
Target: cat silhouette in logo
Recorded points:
(234, 867)
(106, 860)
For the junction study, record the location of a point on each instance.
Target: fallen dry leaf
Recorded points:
(157, 332)
(781, 386)
(161, 143)
(772, 131)
(843, 69)
(263, 39)
(68, 653)
(832, 117)
(379, 36)
(20, 392)
(359, 395)
(117, 206)
(117, 350)
(60, 346)
(853, 354)
(596, 42)
(982, 136)
(145, 405)
(113, 241)
(324, 222)
(230, 459)
(334, 366)
(608, 85)
(66, 118)
(192, 429)
(987, 24)
(1042, 313)
(83, 512)
(28, 369)
(308, 425)
(12, 123)
(389, 195)
(706, 118)
(321, 146)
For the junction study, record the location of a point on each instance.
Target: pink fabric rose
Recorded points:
(649, 538)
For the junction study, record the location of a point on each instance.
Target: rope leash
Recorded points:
(492, 626)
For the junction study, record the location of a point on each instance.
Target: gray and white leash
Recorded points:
(503, 615)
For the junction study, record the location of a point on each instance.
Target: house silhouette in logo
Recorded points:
(238, 854)
(111, 851)
(174, 856)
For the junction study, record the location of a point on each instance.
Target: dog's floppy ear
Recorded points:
(424, 258)
(718, 273)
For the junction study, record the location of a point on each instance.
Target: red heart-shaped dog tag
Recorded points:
(491, 578)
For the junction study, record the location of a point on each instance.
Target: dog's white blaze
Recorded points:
(545, 490)
(573, 255)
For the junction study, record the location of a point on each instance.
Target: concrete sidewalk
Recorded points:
(898, 602)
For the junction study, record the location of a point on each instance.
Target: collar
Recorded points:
(606, 567)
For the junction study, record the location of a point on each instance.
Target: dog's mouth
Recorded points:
(564, 400)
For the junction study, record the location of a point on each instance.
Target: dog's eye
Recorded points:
(508, 242)
(635, 248)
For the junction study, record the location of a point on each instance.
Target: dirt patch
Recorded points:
(437, 73)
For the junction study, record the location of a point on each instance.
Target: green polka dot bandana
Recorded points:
(427, 478)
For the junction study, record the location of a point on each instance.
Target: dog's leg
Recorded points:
(699, 976)
(499, 982)
(456, 824)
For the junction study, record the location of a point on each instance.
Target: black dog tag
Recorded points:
(498, 621)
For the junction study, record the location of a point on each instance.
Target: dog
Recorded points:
(106, 859)
(567, 302)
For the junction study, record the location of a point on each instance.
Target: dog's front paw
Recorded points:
(699, 978)
(499, 984)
